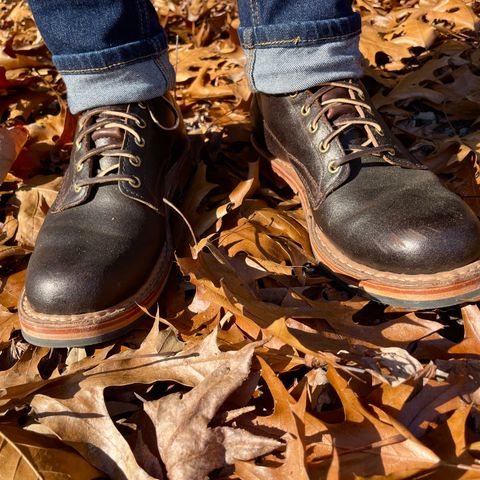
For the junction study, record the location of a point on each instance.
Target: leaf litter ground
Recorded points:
(257, 365)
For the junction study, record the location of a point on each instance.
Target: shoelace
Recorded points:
(107, 118)
(356, 99)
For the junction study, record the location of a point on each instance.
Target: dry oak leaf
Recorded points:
(397, 332)
(288, 417)
(207, 271)
(27, 455)
(455, 12)
(390, 365)
(11, 288)
(368, 441)
(437, 398)
(74, 409)
(11, 142)
(8, 323)
(33, 201)
(200, 188)
(470, 345)
(449, 442)
(25, 369)
(191, 450)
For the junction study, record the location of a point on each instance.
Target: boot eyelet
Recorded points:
(313, 128)
(135, 182)
(324, 148)
(380, 132)
(78, 146)
(142, 105)
(135, 161)
(141, 123)
(140, 141)
(76, 188)
(293, 95)
(332, 168)
(305, 111)
(361, 95)
(79, 167)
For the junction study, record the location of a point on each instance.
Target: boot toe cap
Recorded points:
(431, 246)
(58, 291)
(414, 236)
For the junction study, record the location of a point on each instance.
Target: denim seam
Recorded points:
(164, 68)
(297, 40)
(256, 12)
(141, 17)
(114, 65)
(250, 63)
(144, 18)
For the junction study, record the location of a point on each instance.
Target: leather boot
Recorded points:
(105, 247)
(378, 220)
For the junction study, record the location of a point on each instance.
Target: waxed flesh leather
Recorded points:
(393, 215)
(98, 245)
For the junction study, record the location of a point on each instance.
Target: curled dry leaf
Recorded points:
(73, 406)
(8, 323)
(191, 450)
(449, 441)
(33, 201)
(367, 440)
(456, 380)
(287, 417)
(25, 369)
(27, 455)
(390, 365)
(11, 142)
(471, 343)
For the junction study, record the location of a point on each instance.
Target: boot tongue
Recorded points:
(355, 135)
(106, 135)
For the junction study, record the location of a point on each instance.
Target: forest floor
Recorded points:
(256, 366)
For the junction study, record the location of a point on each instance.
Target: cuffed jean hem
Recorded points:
(286, 70)
(128, 82)
(286, 58)
(110, 58)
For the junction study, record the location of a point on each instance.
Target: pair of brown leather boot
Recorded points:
(377, 219)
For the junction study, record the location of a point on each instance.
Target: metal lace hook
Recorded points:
(174, 109)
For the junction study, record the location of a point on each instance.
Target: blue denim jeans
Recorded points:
(115, 51)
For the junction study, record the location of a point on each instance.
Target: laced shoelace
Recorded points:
(369, 147)
(106, 118)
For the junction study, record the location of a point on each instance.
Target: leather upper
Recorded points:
(384, 210)
(99, 242)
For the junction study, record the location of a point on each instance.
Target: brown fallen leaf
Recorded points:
(450, 443)
(286, 417)
(11, 142)
(390, 365)
(25, 369)
(438, 398)
(73, 406)
(33, 201)
(191, 450)
(8, 323)
(11, 287)
(368, 441)
(27, 455)
(240, 300)
(470, 345)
